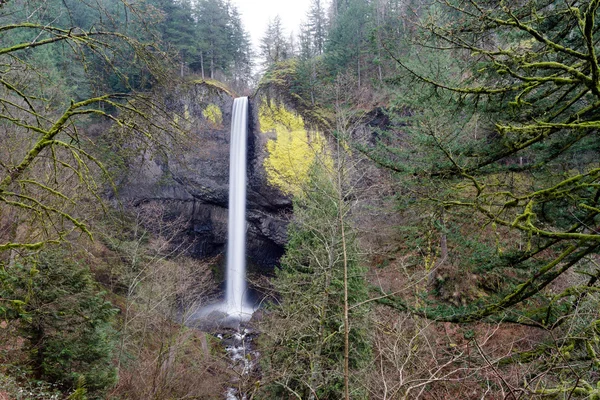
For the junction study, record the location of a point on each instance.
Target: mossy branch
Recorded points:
(59, 35)
(522, 292)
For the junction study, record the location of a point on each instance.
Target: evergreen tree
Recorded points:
(65, 319)
(307, 67)
(241, 49)
(223, 44)
(506, 174)
(347, 37)
(215, 33)
(304, 340)
(178, 29)
(305, 44)
(390, 29)
(274, 47)
(317, 26)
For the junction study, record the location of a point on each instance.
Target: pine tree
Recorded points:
(305, 43)
(347, 38)
(65, 319)
(317, 26)
(274, 46)
(215, 32)
(178, 30)
(507, 174)
(241, 49)
(314, 340)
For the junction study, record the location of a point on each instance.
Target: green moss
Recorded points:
(213, 113)
(275, 117)
(212, 83)
(293, 151)
(280, 75)
(186, 112)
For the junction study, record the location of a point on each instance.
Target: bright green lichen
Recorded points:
(294, 149)
(213, 113)
(215, 84)
(186, 112)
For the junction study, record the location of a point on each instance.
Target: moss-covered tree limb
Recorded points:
(544, 276)
(90, 39)
(54, 133)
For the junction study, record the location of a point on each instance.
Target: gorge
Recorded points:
(410, 189)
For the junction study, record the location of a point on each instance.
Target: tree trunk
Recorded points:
(202, 64)
(443, 251)
(345, 254)
(358, 69)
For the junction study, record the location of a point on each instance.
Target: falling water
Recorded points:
(235, 309)
(235, 290)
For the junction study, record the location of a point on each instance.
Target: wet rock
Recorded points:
(192, 181)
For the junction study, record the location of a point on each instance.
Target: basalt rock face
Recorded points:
(191, 181)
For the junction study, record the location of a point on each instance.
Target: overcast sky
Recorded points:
(256, 14)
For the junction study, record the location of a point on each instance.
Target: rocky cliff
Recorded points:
(191, 180)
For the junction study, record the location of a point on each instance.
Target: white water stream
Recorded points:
(235, 290)
(236, 305)
(235, 308)
(229, 316)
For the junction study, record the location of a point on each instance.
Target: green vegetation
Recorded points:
(78, 105)
(213, 113)
(209, 39)
(65, 319)
(486, 117)
(293, 151)
(443, 161)
(320, 277)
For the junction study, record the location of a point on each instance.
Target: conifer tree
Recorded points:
(177, 30)
(66, 321)
(317, 26)
(305, 43)
(274, 47)
(347, 38)
(241, 50)
(215, 33)
(502, 137)
(315, 338)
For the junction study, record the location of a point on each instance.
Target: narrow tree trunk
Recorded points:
(346, 316)
(443, 251)
(358, 69)
(379, 68)
(346, 306)
(314, 80)
(202, 64)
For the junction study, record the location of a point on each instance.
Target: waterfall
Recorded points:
(235, 290)
(235, 308)
(229, 317)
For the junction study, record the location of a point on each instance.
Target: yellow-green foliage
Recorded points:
(216, 85)
(213, 113)
(282, 74)
(294, 149)
(185, 124)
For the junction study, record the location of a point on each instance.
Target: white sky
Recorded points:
(256, 13)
